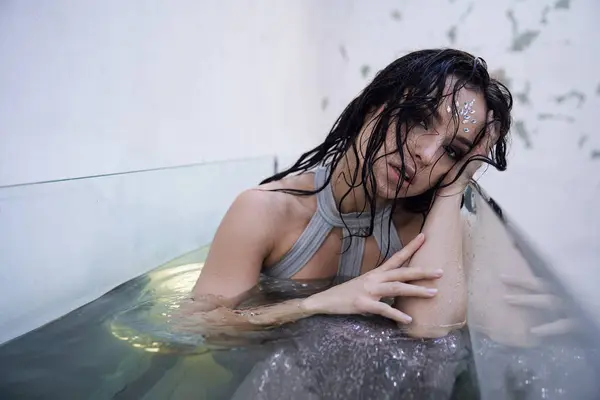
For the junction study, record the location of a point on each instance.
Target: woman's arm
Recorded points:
(241, 244)
(443, 249)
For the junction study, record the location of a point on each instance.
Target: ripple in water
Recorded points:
(340, 357)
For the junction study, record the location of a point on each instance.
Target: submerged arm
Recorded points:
(221, 319)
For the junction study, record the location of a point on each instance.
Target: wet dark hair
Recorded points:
(410, 90)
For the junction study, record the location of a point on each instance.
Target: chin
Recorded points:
(389, 195)
(388, 192)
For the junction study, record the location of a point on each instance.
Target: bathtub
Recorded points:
(94, 267)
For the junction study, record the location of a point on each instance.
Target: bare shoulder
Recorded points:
(290, 205)
(253, 226)
(272, 204)
(255, 207)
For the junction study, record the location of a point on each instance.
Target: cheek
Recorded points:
(439, 170)
(436, 173)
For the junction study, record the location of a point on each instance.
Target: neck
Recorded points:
(353, 199)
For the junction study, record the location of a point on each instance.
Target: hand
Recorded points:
(538, 297)
(362, 295)
(450, 186)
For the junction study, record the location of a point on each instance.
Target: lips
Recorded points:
(408, 174)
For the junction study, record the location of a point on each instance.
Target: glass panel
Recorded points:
(531, 338)
(65, 243)
(539, 344)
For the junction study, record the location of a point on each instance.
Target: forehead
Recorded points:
(466, 111)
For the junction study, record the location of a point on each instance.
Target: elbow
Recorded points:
(429, 331)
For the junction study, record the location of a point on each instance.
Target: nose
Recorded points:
(426, 149)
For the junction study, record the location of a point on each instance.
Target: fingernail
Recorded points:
(408, 319)
(432, 290)
(438, 272)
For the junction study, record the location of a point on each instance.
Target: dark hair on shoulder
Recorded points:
(410, 89)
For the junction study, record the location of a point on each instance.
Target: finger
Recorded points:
(560, 327)
(531, 284)
(385, 310)
(398, 259)
(394, 289)
(539, 301)
(408, 274)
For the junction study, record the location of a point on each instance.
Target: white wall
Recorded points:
(549, 57)
(92, 87)
(96, 87)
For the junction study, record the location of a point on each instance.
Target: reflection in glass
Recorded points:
(530, 339)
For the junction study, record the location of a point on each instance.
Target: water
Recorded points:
(128, 345)
(121, 346)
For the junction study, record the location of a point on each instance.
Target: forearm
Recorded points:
(443, 249)
(223, 319)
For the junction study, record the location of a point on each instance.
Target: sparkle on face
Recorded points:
(466, 113)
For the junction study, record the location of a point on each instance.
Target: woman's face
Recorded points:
(430, 150)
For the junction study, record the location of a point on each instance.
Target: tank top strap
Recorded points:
(354, 224)
(323, 221)
(303, 250)
(308, 243)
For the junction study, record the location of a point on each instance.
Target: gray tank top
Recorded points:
(323, 221)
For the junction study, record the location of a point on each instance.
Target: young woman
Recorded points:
(378, 202)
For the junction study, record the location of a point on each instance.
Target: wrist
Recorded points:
(310, 306)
